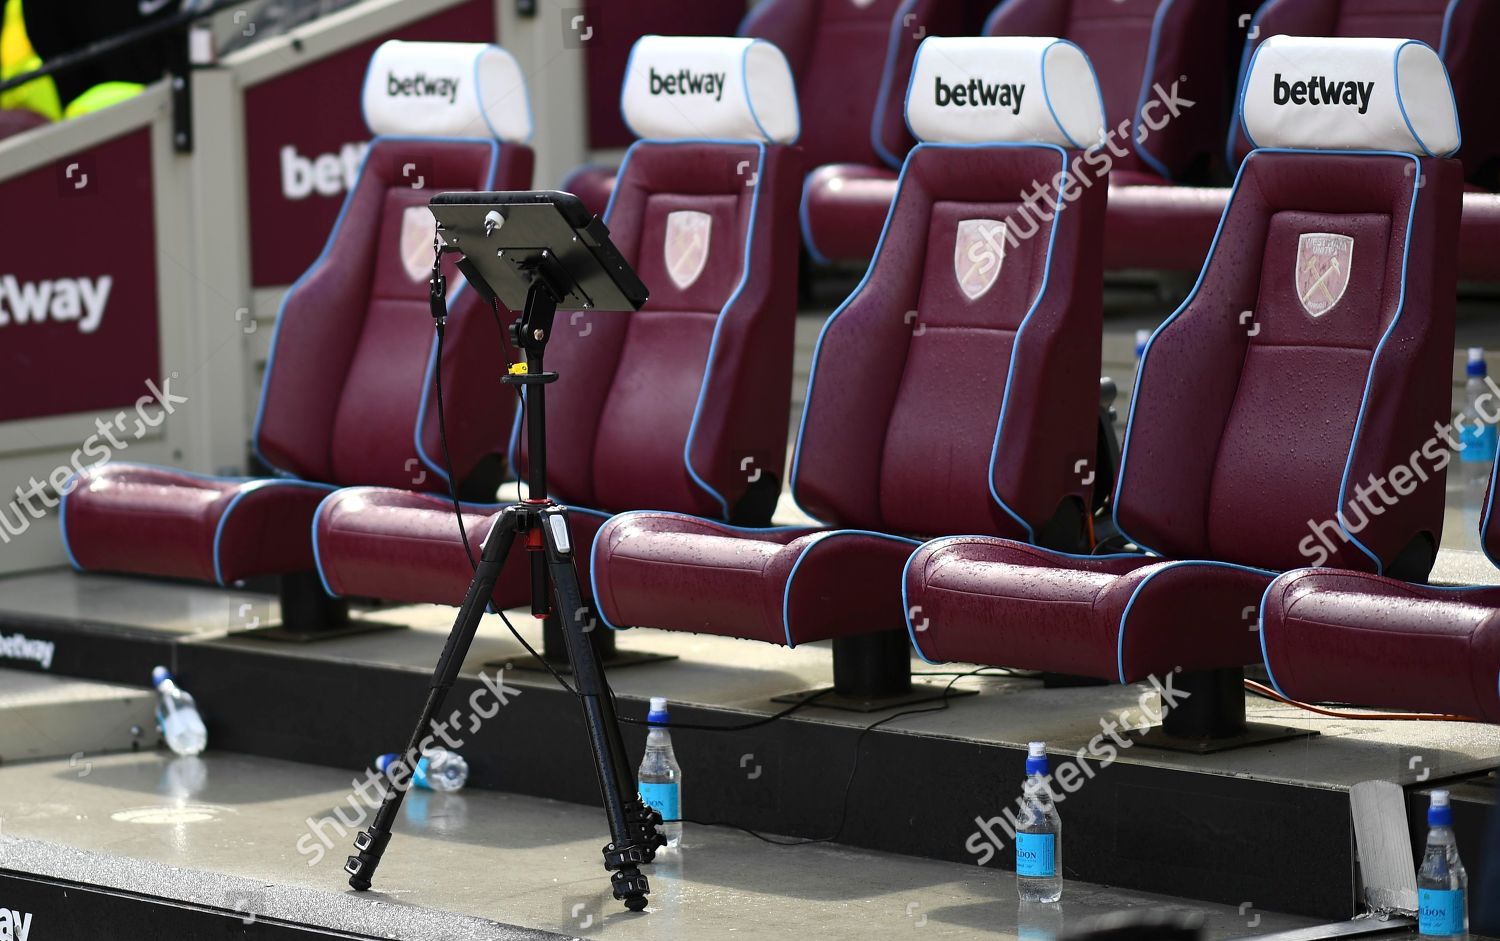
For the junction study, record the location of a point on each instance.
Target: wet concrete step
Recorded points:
(44, 716)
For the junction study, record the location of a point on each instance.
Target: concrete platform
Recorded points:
(1158, 821)
(1184, 825)
(222, 832)
(48, 716)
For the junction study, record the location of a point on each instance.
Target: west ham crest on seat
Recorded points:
(416, 242)
(686, 245)
(1322, 270)
(978, 251)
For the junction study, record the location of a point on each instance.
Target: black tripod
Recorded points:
(544, 528)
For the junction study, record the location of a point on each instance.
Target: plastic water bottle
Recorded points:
(1039, 921)
(1477, 436)
(1442, 884)
(177, 715)
(1039, 837)
(660, 777)
(437, 770)
(1142, 337)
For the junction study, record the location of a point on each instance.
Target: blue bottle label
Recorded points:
(1478, 442)
(419, 775)
(1440, 911)
(663, 799)
(1035, 854)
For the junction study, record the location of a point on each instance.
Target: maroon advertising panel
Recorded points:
(606, 29)
(304, 136)
(78, 320)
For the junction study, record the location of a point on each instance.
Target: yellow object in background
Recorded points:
(102, 96)
(16, 58)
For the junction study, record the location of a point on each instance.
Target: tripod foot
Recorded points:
(630, 887)
(624, 862)
(361, 869)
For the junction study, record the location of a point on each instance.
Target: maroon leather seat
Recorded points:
(681, 406)
(1353, 637)
(1314, 351)
(347, 391)
(1145, 52)
(1465, 33)
(846, 59)
(1172, 229)
(948, 393)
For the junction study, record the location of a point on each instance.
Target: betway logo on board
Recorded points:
(20, 647)
(325, 174)
(684, 82)
(1321, 90)
(421, 85)
(14, 925)
(978, 93)
(79, 301)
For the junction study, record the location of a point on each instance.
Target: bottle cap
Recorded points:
(658, 713)
(384, 762)
(1439, 812)
(159, 675)
(1036, 758)
(1142, 337)
(1476, 365)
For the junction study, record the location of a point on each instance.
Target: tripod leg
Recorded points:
(632, 826)
(371, 843)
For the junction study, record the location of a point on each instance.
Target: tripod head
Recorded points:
(536, 252)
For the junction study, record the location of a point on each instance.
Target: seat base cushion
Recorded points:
(1330, 635)
(844, 206)
(785, 585)
(1479, 237)
(1162, 227)
(162, 521)
(594, 184)
(1119, 617)
(378, 542)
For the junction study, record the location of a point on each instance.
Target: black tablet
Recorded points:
(510, 239)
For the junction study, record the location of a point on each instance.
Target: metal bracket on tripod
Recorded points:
(539, 251)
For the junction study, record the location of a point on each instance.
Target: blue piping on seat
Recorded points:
(935, 544)
(1145, 155)
(260, 412)
(1370, 375)
(594, 550)
(1180, 563)
(899, 26)
(786, 594)
(256, 487)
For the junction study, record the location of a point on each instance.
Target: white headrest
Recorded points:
(1349, 94)
(713, 87)
(446, 89)
(1004, 88)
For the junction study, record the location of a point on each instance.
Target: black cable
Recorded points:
(1003, 671)
(132, 37)
(458, 513)
(741, 727)
(853, 772)
(757, 723)
(520, 390)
